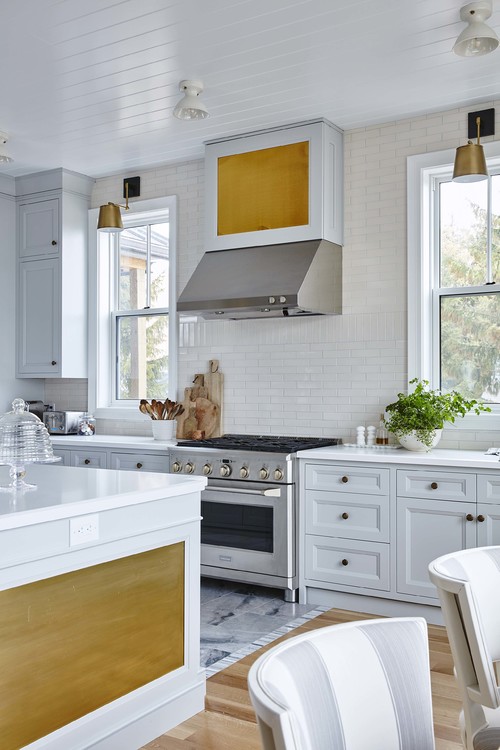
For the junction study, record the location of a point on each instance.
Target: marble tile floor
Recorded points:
(236, 617)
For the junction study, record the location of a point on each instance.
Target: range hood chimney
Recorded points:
(267, 281)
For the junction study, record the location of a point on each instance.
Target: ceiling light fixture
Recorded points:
(470, 162)
(110, 217)
(4, 158)
(190, 107)
(477, 38)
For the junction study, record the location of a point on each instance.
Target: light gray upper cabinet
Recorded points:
(52, 274)
(276, 186)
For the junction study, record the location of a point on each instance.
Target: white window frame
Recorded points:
(102, 317)
(422, 171)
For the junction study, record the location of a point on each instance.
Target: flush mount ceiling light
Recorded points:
(477, 38)
(190, 107)
(4, 158)
(110, 217)
(470, 162)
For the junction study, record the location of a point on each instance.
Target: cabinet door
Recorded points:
(488, 525)
(39, 318)
(427, 529)
(140, 461)
(65, 456)
(94, 459)
(39, 229)
(273, 187)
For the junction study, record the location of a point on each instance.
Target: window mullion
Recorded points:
(489, 233)
(148, 267)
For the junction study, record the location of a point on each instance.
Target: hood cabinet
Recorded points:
(52, 217)
(275, 186)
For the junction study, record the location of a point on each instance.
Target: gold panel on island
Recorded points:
(75, 642)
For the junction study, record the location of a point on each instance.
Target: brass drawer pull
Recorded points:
(434, 485)
(481, 519)
(345, 516)
(345, 562)
(345, 480)
(87, 461)
(469, 517)
(139, 465)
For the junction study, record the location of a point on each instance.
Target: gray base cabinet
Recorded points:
(373, 529)
(106, 458)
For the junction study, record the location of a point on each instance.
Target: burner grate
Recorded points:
(268, 443)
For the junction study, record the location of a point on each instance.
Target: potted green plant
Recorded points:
(417, 418)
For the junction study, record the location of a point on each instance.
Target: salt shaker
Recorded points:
(370, 439)
(360, 436)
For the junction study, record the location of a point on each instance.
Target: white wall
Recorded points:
(10, 387)
(320, 375)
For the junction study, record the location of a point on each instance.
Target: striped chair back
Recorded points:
(354, 686)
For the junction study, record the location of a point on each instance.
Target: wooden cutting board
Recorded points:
(202, 405)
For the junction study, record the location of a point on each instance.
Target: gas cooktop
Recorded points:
(267, 443)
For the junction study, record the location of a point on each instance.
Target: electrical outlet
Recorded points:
(83, 529)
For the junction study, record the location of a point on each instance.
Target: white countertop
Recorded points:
(436, 457)
(66, 491)
(131, 442)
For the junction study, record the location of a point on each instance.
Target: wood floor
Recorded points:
(228, 721)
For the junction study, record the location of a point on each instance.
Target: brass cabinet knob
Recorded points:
(481, 519)
(434, 485)
(469, 517)
(345, 480)
(345, 562)
(345, 516)
(176, 467)
(54, 242)
(87, 461)
(139, 465)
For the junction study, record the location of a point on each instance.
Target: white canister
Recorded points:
(165, 429)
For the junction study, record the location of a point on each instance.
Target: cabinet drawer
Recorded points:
(488, 488)
(349, 516)
(140, 461)
(89, 459)
(437, 485)
(347, 479)
(363, 564)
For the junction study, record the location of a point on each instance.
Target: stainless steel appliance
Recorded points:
(249, 508)
(268, 281)
(62, 422)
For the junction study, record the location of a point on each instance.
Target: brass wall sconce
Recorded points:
(470, 162)
(110, 217)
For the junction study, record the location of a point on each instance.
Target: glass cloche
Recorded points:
(23, 440)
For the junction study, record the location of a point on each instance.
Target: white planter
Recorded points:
(165, 429)
(412, 443)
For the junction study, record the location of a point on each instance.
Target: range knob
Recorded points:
(176, 467)
(244, 472)
(278, 474)
(264, 473)
(225, 470)
(189, 467)
(207, 470)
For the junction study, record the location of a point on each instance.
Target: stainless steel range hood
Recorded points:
(268, 281)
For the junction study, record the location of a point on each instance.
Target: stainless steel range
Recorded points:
(249, 508)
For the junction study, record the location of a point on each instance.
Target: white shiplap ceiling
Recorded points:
(90, 85)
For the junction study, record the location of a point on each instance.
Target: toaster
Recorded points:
(62, 422)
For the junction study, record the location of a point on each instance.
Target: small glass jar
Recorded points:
(86, 425)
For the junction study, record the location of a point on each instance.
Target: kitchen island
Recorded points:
(99, 608)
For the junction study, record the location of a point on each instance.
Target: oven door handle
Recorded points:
(268, 492)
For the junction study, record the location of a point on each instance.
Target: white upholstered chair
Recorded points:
(362, 685)
(468, 583)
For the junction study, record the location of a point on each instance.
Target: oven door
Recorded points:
(248, 526)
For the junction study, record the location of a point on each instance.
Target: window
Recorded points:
(454, 279)
(133, 321)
